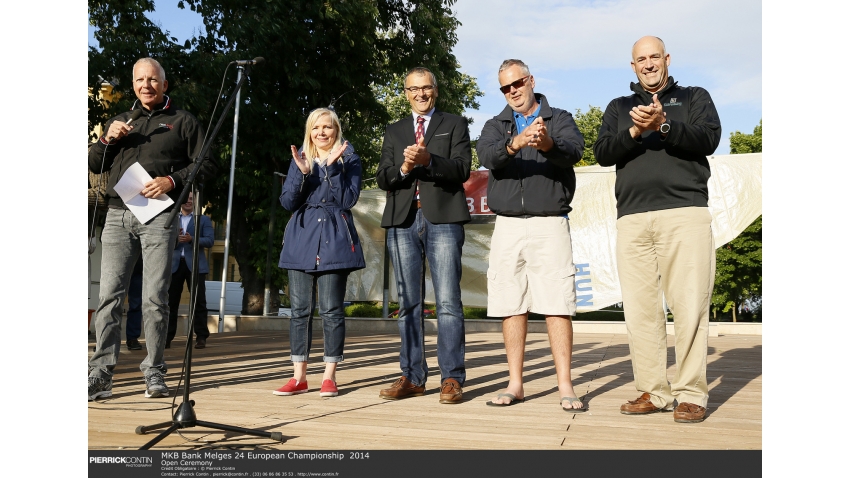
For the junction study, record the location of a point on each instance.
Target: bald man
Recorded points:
(658, 138)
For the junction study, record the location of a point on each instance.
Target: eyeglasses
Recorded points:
(516, 84)
(416, 89)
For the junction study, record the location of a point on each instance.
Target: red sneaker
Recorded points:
(328, 389)
(293, 387)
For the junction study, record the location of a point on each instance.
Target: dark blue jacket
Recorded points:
(206, 240)
(531, 183)
(320, 235)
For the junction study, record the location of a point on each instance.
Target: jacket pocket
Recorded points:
(496, 283)
(347, 231)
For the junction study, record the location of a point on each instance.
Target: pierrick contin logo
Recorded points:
(133, 461)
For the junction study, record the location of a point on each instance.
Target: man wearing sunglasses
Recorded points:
(530, 149)
(425, 159)
(658, 138)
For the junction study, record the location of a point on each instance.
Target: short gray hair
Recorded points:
(153, 63)
(421, 70)
(513, 62)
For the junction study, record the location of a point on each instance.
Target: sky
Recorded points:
(579, 51)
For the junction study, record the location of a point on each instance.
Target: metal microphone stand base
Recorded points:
(185, 416)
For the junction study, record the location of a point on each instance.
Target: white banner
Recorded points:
(734, 201)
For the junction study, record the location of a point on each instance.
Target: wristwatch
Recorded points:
(665, 128)
(510, 149)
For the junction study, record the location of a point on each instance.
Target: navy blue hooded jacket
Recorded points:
(320, 235)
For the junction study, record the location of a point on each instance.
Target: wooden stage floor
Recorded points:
(233, 377)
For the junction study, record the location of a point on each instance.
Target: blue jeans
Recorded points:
(303, 296)
(123, 239)
(442, 244)
(134, 303)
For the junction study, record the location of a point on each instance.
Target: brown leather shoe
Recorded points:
(641, 406)
(402, 388)
(450, 391)
(200, 343)
(689, 413)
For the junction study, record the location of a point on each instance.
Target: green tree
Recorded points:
(588, 125)
(741, 143)
(316, 53)
(125, 34)
(738, 275)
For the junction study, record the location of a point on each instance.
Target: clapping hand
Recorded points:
(535, 135)
(301, 160)
(647, 118)
(415, 155)
(336, 153)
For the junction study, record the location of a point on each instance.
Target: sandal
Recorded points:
(510, 396)
(572, 401)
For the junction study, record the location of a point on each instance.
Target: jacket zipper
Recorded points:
(522, 196)
(283, 242)
(521, 188)
(350, 240)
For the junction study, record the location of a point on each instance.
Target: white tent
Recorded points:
(734, 201)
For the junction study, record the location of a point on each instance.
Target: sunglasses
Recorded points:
(516, 84)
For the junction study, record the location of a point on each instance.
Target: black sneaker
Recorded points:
(133, 344)
(155, 385)
(99, 388)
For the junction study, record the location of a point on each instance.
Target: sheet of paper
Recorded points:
(129, 187)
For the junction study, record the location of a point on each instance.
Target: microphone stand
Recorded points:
(185, 416)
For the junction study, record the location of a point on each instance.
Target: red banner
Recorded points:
(476, 193)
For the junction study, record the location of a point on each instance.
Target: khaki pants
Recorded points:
(669, 252)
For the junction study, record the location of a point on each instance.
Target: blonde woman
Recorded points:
(320, 246)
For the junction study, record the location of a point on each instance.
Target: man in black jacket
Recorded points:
(164, 140)
(530, 149)
(425, 160)
(659, 138)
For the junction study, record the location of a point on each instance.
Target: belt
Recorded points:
(417, 204)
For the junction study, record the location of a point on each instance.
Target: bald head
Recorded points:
(649, 62)
(649, 40)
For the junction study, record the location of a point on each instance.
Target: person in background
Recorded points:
(181, 271)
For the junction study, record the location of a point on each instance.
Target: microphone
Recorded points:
(255, 61)
(136, 115)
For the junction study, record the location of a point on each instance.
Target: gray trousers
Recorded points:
(123, 239)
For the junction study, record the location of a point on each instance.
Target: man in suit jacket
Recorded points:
(425, 160)
(181, 271)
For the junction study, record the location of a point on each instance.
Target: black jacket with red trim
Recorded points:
(164, 141)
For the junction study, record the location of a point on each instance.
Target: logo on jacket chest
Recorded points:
(673, 102)
(166, 125)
